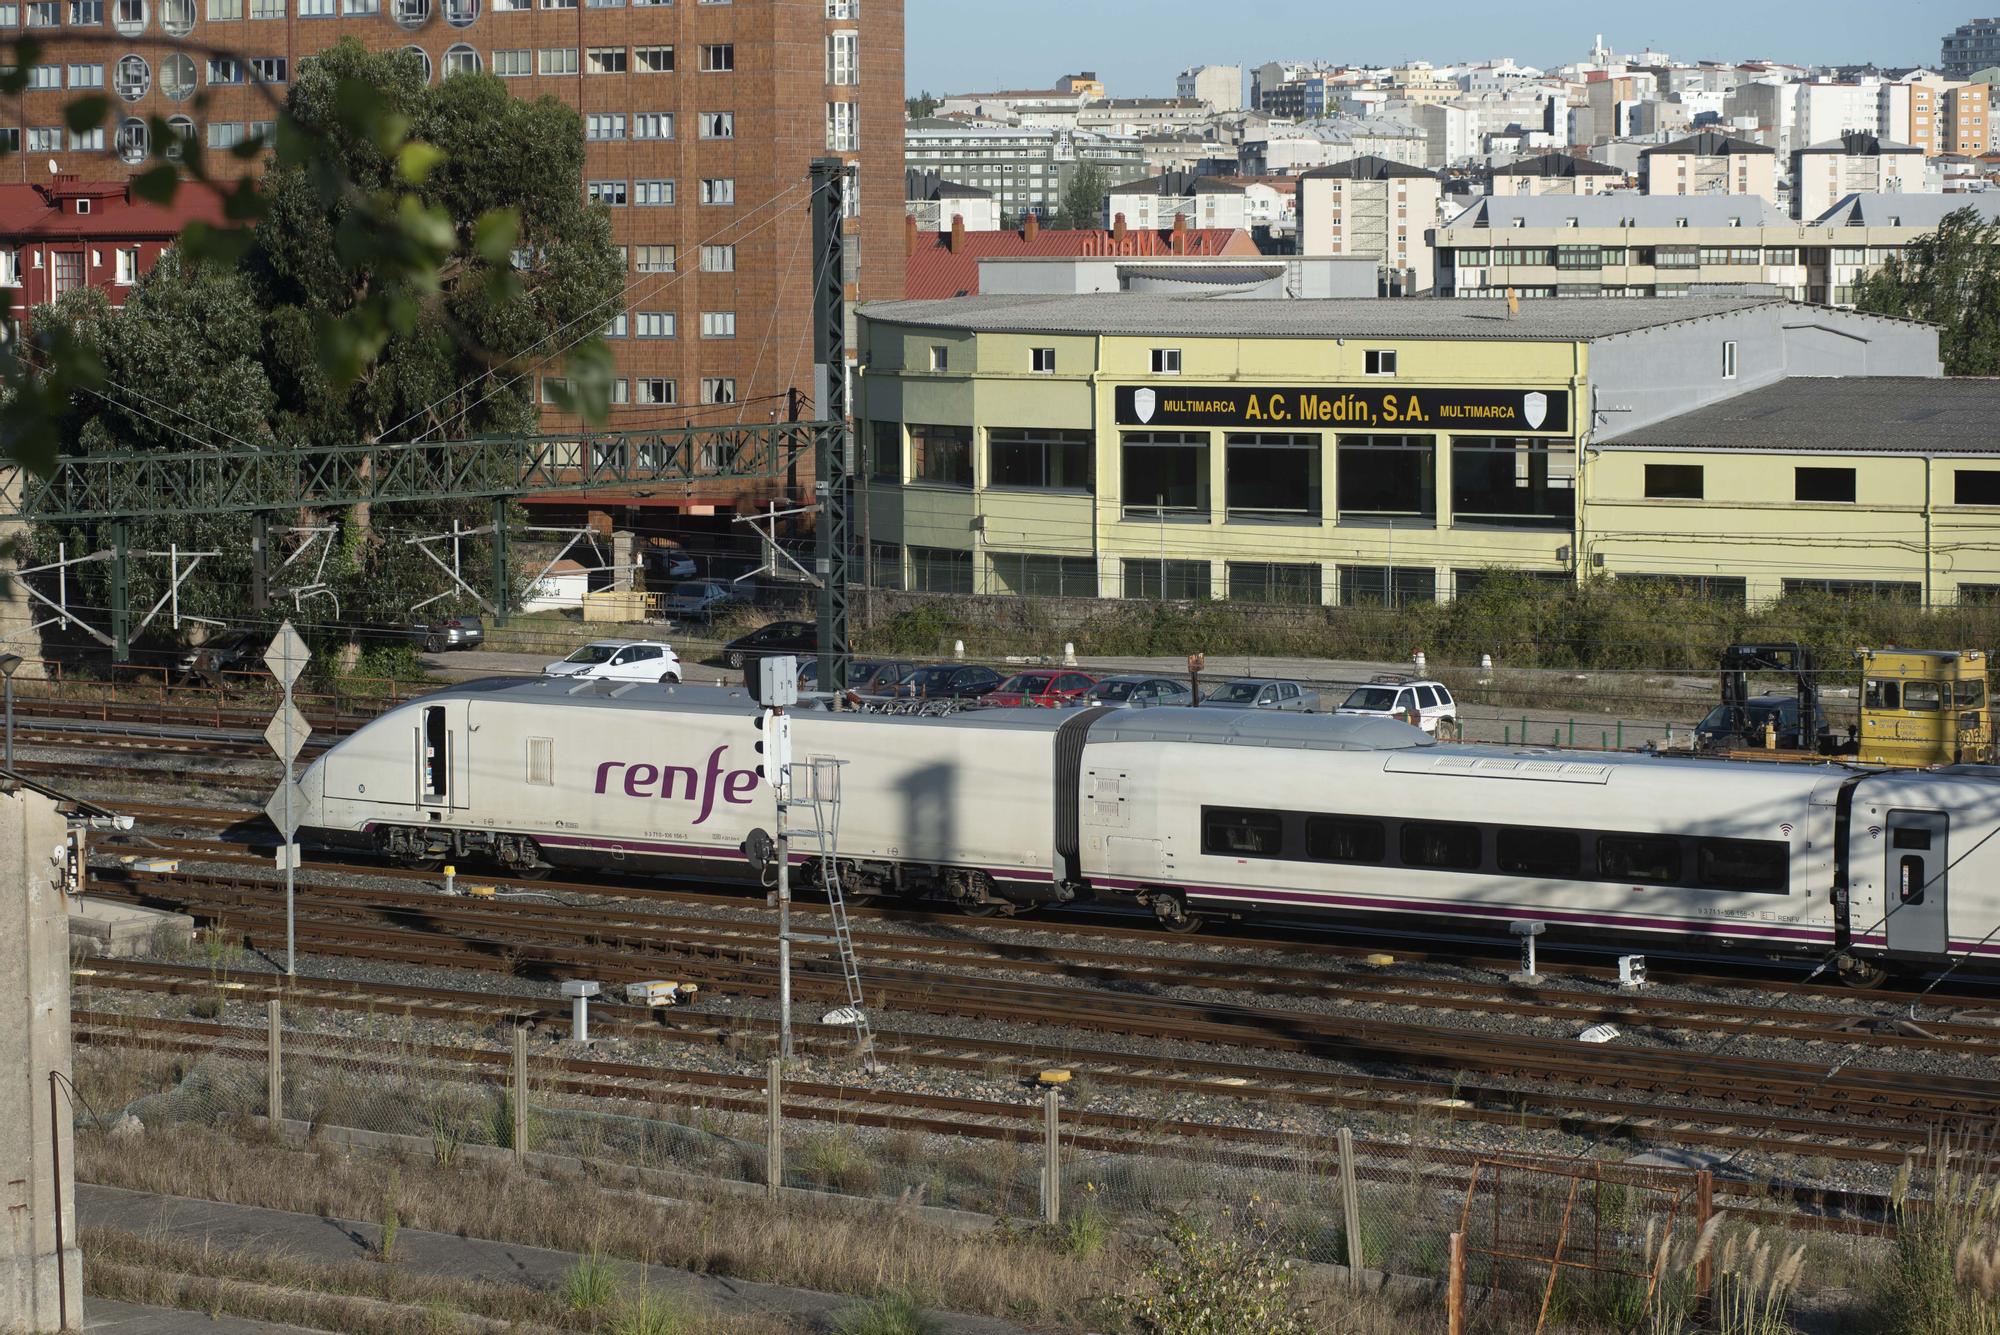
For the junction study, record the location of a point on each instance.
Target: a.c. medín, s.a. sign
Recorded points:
(1386, 406)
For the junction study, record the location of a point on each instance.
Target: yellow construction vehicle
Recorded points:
(1924, 707)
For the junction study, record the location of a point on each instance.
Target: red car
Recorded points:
(1049, 690)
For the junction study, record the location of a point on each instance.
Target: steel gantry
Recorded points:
(833, 487)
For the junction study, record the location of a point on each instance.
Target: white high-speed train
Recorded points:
(1196, 813)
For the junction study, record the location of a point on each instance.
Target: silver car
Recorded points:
(1250, 693)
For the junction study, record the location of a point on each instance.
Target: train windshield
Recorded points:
(593, 653)
(1371, 697)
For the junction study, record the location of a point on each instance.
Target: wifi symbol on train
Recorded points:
(1874, 832)
(1785, 827)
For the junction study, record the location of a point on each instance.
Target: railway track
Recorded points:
(1012, 1060)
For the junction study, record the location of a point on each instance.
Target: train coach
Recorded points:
(1196, 814)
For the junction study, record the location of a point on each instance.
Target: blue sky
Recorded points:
(1137, 46)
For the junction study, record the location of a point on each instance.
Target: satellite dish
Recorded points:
(53, 169)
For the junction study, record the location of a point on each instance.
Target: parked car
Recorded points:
(663, 565)
(230, 651)
(1140, 692)
(433, 637)
(949, 681)
(698, 600)
(1251, 693)
(1048, 690)
(1428, 704)
(619, 660)
(780, 637)
(865, 676)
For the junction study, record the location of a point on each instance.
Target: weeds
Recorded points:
(386, 1249)
(1218, 1281)
(1942, 1277)
(893, 1315)
(590, 1286)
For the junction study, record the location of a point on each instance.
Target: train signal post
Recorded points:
(287, 658)
(776, 685)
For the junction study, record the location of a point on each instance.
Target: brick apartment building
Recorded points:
(698, 113)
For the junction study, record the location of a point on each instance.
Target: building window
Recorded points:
(44, 14)
(1975, 486)
(134, 141)
(1513, 480)
(1824, 484)
(1729, 359)
(1673, 482)
(718, 124)
(1387, 478)
(423, 59)
(940, 357)
(654, 324)
(1379, 361)
(1043, 459)
(718, 259)
(1273, 582)
(461, 13)
(654, 258)
(718, 190)
(1042, 360)
(941, 455)
(128, 16)
(268, 69)
(720, 389)
(604, 60)
(611, 193)
(718, 324)
(66, 271)
(225, 134)
(45, 139)
(1387, 586)
(940, 570)
(653, 59)
(843, 9)
(460, 59)
(1045, 576)
(843, 58)
(557, 60)
(132, 77)
(655, 391)
(653, 193)
(126, 272)
(718, 57)
(86, 76)
(44, 77)
(1163, 580)
(843, 132)
(1166, 361)
(87, 141)
(885, 451)
(1163, 475)
(555, 388)
(619, 327)
(603, 125)
(1271, 477)
(515, 63)
(225, 70)
(653, 125)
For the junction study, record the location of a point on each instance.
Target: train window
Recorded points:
(1879, 694)
(1758, 865)
(1526, 852)
(1344, 839)
(1925, 695)
(1229, 832)
(542, 761)
(1910, 836)
(1649, 858)
(1969, 694)
(436, 761)
(1455, 847)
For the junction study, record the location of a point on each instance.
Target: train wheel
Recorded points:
(733, 659)
(985, 909)
(538, 872)
(1860, 973)
(1172, 911)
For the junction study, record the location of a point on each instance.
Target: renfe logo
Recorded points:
(660, 781)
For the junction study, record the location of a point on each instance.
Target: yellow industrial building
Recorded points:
(1171, 445)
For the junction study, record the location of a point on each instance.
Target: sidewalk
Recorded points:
(132, 1319)
(333, 1241)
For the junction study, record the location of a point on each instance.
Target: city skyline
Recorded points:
(1136, 46)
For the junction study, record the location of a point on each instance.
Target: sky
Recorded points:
(1137, 46)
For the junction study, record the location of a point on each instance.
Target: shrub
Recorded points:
(1219, 1282)
(892, 1315)
(591, 1285)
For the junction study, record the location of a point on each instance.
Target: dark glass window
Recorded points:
(1427, 844)
(941, 454)
(1387, 477)
(885, 451)
(1164, 475)
(1653, 859)
(1235, 833)
(1976, 486)
(1760, 865)
(1344, 839)
(1516, 480)
(1526, 852)
(1910, 836)
(1166, 579)
(1673, 482)
(1824, 484)
(1270, 477)
(1272, 582)
(1019, 458)
(1370, 586)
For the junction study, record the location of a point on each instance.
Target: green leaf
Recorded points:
(416, 160)
(157, 185)
(246, 203)
(494, 235)
(86, 112)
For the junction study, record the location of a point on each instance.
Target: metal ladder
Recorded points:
(819, 780)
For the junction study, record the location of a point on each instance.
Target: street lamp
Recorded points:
(9, 665)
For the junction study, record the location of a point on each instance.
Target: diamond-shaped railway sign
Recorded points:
(286, 821)
(288, 747)
(287, 657)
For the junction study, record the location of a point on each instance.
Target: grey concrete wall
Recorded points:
(34, 1040)
(1653, 374)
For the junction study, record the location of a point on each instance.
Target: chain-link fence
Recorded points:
(1373, 1206)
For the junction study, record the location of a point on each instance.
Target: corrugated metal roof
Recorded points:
(1865, 414)
(935, 270)
(1159, 314)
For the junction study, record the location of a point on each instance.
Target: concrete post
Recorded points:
(624, 555)
(774, 1127)
(41, 1272)
(274, 1064)
(520, 1093)
(1051, 1159)
(1350, 1208)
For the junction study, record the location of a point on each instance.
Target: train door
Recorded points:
(1914, 882)
(440, 769)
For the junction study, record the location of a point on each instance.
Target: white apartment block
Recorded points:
(1710, 164)
(1152, 205)
(1854, 164)
(1130, 117)
(1025, 168)
(1554, 174)
(1221, 86)
(1372, 206)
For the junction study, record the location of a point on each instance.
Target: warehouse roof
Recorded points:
(1866, 414)
(1145, 314)
(1504, 212)
(1911, 210)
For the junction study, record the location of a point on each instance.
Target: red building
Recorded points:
(68, 234)
(946, 264)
